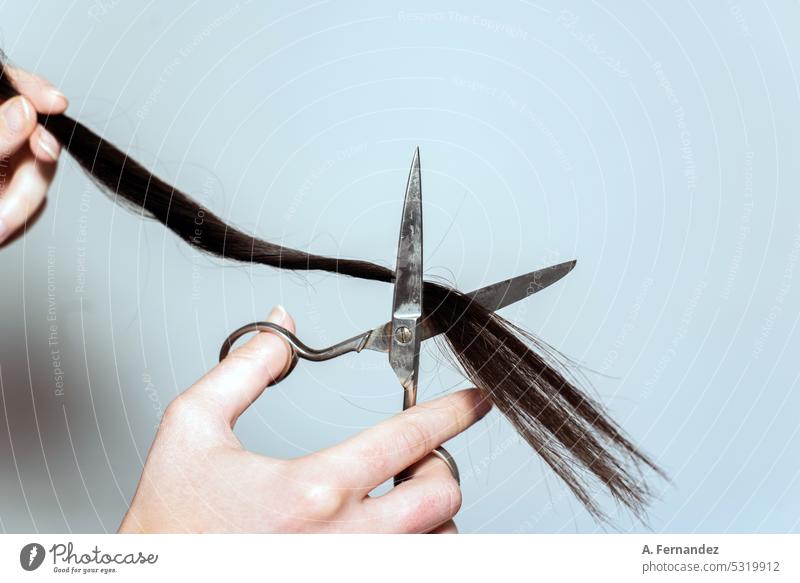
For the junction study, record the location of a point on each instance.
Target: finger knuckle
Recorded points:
(451, 413)
(322, 501)
(187, 412)
(251, 358)
(415, 436)
(259, 354)
(177, 411)
(455, 415)
(459, 408)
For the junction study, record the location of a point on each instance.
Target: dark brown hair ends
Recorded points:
(524, 379)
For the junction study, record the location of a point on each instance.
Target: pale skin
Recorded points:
(198, 477)
(28, 152)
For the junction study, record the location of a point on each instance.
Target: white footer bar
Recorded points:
(353, 558)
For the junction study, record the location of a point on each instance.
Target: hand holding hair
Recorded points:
(199, 478)
(523, 377)
(28, 152)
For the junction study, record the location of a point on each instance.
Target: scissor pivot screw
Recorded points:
(403, 335)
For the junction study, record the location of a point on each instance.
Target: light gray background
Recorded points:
(657, 143)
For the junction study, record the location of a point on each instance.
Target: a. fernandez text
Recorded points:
(677, 550)
(64, 553)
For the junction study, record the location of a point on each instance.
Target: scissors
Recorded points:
(402, 336)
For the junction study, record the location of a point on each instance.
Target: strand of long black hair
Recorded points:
(522, 377)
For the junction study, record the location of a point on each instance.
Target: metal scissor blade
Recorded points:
(504, 293)
(407, 305)
(492, 297)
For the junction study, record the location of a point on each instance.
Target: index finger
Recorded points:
(44, 96)
(380, 452)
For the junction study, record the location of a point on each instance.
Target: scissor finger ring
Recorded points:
(279, 331)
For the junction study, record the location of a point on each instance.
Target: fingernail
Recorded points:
(58, 97)
(49, 144)
(15, 114)
(482, 403)
(277, 315)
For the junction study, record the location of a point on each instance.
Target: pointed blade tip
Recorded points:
(567, 265)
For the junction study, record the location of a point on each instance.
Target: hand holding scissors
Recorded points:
(402, 336)
(199, 478)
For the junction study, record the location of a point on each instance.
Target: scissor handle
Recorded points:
(443, 455)
(291, 340)
(299, 349)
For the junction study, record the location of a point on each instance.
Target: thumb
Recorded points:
(242, 376)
